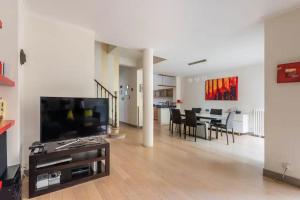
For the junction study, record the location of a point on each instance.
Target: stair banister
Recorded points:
(113, 97)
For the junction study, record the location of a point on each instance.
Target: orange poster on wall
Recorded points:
(222, 89)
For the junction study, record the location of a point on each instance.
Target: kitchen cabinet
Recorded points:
(163, 81)
(163, 93)
(171, 81)
(163, 116)
(156, 94)
(170, 92)
(155, 113)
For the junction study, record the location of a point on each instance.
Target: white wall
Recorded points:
(282, 121)
(60, 62)
(251, 90)
(107, 67)
(9, 48)
(128, 106)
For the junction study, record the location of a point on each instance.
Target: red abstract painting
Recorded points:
(222, 89)
(287, 73)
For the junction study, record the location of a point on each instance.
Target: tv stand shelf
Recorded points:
(87, 156)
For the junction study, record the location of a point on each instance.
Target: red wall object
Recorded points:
(5, 125)
(1, 68)
(287, 73)
(1, 24)
(6, 82)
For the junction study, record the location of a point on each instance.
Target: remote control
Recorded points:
(36, 150)
(41, 150)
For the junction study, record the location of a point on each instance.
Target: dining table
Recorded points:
(207, 118)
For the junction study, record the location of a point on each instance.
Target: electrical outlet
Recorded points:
(286, 165)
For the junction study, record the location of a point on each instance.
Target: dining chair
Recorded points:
(171, 118)
(197, 110)
(215, 112)
(177, 120)
(191, 122)
(227, 126)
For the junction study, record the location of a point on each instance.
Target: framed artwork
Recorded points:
(287, 73)
(222, 89)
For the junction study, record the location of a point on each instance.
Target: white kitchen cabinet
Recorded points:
(163, 80)
(163, 116)
(170, 81)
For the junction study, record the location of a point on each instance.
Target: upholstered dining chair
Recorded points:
(192, 122)
(197, 110)
(227, 126)
(177, 120)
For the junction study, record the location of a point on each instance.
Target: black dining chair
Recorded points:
(227, 126)
(171, 118)
(215, 112)
(191, 122)
(177, 120)
(197, 110)
(215, 121)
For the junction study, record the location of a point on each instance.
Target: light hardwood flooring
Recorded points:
(176, 169)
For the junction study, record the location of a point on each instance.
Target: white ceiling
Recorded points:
(133, 54)
(228, 33)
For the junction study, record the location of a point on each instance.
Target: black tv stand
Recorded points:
(78, 142)
(76, 164)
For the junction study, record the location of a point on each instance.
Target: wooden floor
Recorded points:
(177, 169)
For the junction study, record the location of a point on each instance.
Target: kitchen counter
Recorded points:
(162, 114)
(163, 106)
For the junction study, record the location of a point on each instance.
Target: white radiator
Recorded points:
(258, 122)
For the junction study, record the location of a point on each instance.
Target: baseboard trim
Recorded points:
(132, 125)
(252, 134)
(287, 179)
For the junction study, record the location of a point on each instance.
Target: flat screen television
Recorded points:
(63, 118)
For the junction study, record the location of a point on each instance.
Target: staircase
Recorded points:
(102, 92)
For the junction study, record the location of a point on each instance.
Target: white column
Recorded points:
(148, 97)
